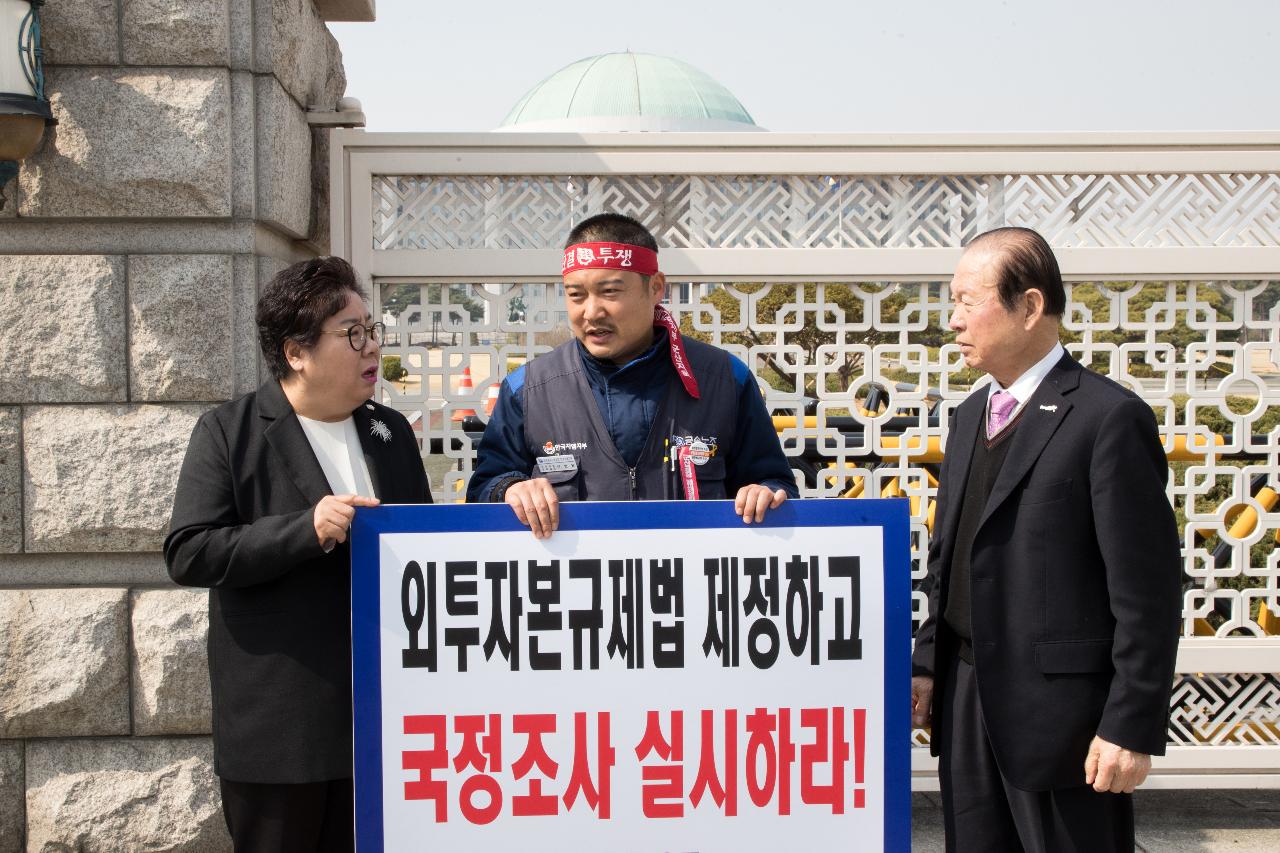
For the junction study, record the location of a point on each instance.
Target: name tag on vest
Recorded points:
(551, 464)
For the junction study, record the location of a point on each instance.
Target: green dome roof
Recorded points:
(628, 91)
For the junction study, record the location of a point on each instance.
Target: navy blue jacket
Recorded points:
(628, 399)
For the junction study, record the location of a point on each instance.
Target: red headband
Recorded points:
(612, 256)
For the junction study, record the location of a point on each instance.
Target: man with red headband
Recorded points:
(630, 409)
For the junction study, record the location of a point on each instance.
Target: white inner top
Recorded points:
(337, 447)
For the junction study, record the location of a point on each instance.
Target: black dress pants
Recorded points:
(315, 817)
(984, 813)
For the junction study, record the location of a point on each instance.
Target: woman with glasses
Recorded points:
(264, 502)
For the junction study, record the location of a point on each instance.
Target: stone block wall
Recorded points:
(181, 175)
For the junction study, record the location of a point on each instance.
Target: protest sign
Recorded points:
(656, 676)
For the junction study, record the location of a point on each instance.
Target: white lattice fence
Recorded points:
(828, 211)
(1206, 355)
(1175, 293)
(1226, 709)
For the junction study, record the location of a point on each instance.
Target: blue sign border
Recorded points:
(891, 515)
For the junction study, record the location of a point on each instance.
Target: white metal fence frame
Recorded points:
(1117, 207)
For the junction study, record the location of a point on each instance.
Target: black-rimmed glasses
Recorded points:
(360, 334)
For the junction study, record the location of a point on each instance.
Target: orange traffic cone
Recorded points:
(465, 389)
(491, 399)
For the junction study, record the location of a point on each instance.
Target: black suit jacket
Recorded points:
(1075, 579)
(279, 606)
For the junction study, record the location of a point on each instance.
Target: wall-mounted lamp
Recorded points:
(24, 109)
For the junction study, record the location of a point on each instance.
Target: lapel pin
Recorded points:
(1049, 408)
(379, 429)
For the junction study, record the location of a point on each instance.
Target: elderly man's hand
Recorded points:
(536, 505)
(332, 517)
(1113, 768)
(753, 501)
(921, 701)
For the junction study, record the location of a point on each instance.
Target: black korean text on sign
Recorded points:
(762, 598)
(504, 639)
(721, 637)
(778, 596)
(794, 597)
(544, 612)
(847, 645)
(587, 623)
(666, 598)
(626, 634)
(804, 607)
(418, 604)
(460, 590)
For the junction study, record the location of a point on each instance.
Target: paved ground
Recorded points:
(1168, 821)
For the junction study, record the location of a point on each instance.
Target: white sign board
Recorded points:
(654, 677)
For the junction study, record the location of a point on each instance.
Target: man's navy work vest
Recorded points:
(561, 418)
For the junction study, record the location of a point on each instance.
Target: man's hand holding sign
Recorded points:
(536, 505)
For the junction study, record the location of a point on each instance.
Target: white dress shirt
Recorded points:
(1026, 384)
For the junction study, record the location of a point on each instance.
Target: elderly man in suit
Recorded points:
(1046, 662)
(265, 498)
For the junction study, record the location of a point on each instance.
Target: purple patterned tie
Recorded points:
(1002, 405)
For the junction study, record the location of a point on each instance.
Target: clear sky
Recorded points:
(844, 65)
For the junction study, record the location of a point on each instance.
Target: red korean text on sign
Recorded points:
(771, 733)
(722, 786)
(426, 761)
(597, 794)
(663, 790)
(483, 751)
(828, 747)
(534, 802)
(825, 745)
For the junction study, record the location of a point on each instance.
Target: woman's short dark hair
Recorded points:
(297, 301)
(1026, 262)
(611, 228)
